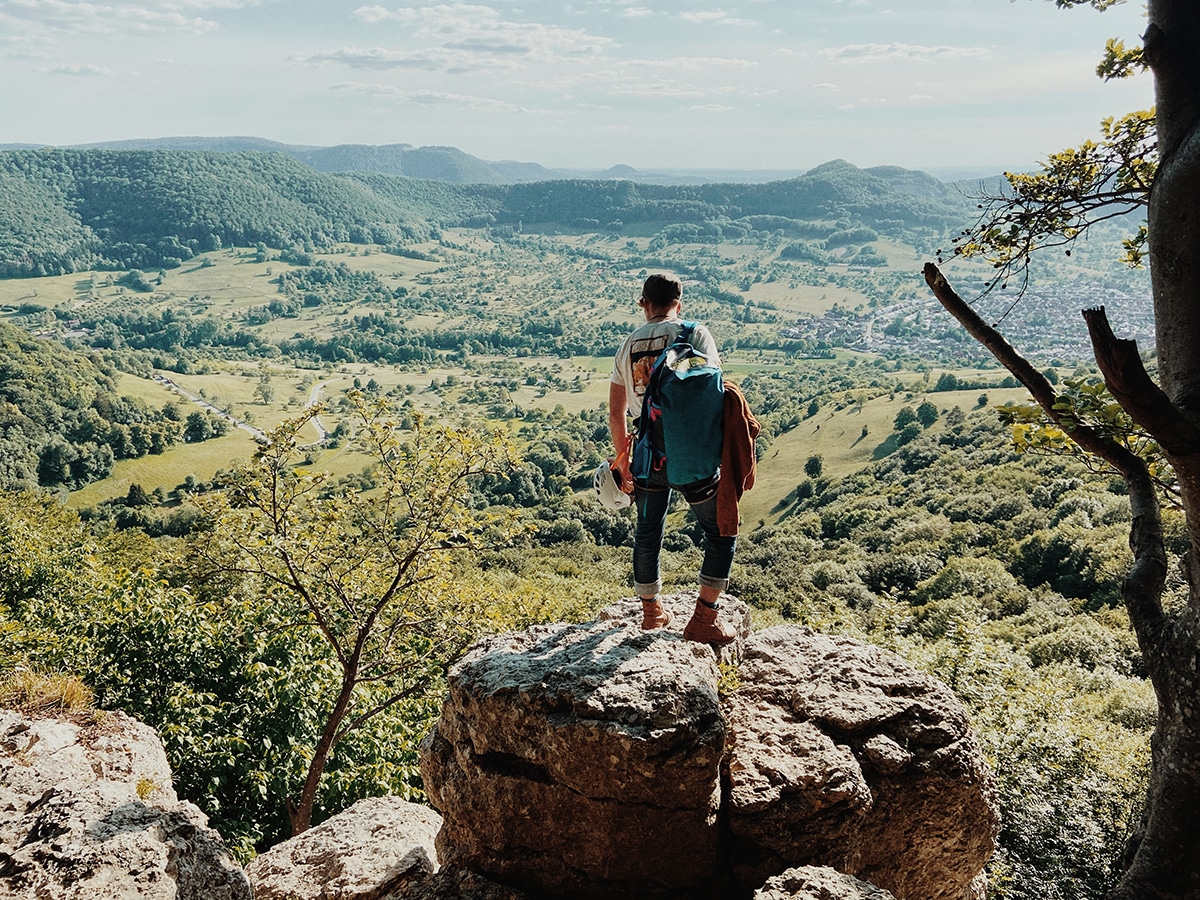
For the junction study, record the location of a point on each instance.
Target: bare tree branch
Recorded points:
(1132, 387)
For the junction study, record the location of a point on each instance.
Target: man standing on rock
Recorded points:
(661, 302)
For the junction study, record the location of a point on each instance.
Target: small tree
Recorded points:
(371, 572)
(137, 496)
(906, 416)
(264, 392)
(814, 465)
(927, 414)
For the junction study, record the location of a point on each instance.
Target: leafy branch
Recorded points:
(1087, 401)
(1077, 189)
(370, 570)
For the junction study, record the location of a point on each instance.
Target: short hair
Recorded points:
(661, 291)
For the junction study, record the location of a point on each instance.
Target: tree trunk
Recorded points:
(1164, 857)
(301, 811)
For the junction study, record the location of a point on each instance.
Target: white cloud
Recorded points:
(82, 70)
(372, 15)
(429, 98)
(482, 30)
(381, 58)
(712, 107)
(657, 89)
(106, 18)
(696, 63)
(713, 16)
(898, 51)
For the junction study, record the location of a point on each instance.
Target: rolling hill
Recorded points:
(69, 210)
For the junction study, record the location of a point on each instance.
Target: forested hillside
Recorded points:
(432, 163)
(127, 209)
(62, 421)
(69, 210)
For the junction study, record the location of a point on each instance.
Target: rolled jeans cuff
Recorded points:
(649, 588)
(709, 581)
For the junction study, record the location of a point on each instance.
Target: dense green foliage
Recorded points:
(1001, 576)
(62, 421)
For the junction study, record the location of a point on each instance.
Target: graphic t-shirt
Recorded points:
(637, 354)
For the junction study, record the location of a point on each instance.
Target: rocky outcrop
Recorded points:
(581, 760)
(378, 846)
(843, 755)
(597, 760)
(87, 812)
(457, 884)
(819, 883)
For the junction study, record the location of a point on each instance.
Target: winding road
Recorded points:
(314, 397)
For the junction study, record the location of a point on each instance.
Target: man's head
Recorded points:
(661, 293)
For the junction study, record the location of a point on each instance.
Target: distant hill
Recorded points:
(433, 163)
(66, 210)
(235, 144)
(910, 181)
(523, 171)
(430, 163)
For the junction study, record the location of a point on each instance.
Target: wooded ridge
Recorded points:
(64, 211)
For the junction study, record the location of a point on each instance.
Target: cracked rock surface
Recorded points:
(597, 760)
(87, 812)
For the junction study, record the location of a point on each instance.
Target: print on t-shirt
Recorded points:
(642, 354)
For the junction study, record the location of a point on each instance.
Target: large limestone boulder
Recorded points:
(819, 883)
(87, 812)
(376, 847)
(583, 761)
(842, 755)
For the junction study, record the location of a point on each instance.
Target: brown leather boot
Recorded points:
(654, 616)
(706, 628)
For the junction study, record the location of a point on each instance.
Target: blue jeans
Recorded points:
(652, 500)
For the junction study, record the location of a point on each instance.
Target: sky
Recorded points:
(653, 84)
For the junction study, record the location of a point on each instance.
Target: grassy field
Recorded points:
(44, 292)
(536, 278)
(168, 470)
(837, 436)
(845, 438)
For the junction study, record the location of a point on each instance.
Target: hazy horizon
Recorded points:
(942, 173)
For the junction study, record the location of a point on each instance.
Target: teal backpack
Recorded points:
(682, 422)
